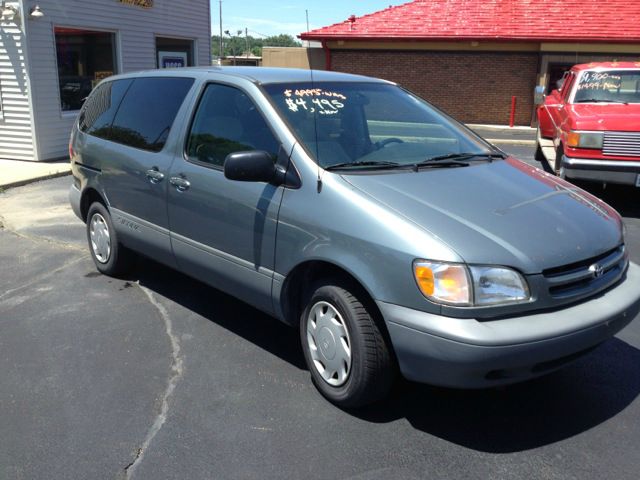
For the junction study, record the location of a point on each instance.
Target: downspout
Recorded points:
(327, 56)
(26, 52)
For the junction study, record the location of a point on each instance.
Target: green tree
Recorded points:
(282, 40)
(237, 44)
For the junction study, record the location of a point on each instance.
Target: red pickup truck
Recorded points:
(589, 129)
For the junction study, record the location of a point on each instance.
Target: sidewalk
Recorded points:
(503, 134)
(14, 173)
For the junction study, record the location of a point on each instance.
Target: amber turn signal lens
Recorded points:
(443, 282)
(573, 139)
(424, 276)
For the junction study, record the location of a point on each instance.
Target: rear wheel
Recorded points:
(347, 355)
(109, 256)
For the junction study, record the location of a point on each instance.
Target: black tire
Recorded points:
(557, 168)
(538, 155)
(114, 260)
(372, 370)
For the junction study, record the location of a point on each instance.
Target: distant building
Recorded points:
(242, 60)
(293, 57)
(52, 57)
(469, 57)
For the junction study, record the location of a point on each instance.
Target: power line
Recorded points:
(261, 34)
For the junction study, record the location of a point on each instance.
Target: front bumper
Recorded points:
(469, 353)
(612, 171)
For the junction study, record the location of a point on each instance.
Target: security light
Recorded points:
(36, 12)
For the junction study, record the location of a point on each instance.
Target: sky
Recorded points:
(269, 17)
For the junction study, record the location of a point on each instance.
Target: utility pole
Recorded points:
(246, 39)
(221, 51)
(231, 43)
(307, 14)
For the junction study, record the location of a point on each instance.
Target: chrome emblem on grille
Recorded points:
(596, 270)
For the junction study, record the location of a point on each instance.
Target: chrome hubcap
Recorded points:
(100, 238)
(329, 343)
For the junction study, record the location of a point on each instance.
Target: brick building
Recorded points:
(469, 57)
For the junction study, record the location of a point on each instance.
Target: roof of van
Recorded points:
(261, 75)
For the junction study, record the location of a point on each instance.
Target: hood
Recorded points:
(503, 213)
(605, 116)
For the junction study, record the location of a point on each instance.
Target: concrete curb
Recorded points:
(508, 141)
(507, 128)
(27, 181)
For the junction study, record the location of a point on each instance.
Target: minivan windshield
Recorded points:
(613, 86)
(370, 125)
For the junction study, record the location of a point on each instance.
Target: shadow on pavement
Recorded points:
(525, 416)
(507, 419)
(230, 313)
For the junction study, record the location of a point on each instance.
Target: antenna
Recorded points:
(307, 15)
(315, 115)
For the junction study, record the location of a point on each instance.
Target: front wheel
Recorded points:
(109, 256)
(538, 155)
(347, 355)
(558, 169)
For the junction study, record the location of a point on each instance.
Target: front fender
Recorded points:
(341, 226)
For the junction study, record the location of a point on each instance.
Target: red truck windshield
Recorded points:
(615, 86)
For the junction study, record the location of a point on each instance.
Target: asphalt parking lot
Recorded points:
(157, 376)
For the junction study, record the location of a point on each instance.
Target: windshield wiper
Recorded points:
(455, 159)
(373, 164)
(600, 100)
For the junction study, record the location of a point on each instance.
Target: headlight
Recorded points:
(463, 286)
(496, 285)
(591, 140)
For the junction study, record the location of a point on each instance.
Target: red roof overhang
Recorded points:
(566, 21)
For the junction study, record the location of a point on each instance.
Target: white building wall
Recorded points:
(16, 135)
(136, 30)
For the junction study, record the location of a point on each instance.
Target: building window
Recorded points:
(84, 58)
(174, 52)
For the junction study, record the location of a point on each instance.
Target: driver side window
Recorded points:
(225, 122)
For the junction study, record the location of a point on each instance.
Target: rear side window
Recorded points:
(101, 107)
(148, 110)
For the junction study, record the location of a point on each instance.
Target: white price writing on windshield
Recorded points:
(314, 100)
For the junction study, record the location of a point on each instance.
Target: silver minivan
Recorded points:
(391, 236)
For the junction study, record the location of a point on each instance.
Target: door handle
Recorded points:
(180, 183)
(154, 175)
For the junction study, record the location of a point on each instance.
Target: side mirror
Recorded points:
(251, 166)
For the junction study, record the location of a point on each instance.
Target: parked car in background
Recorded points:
(589, 129)
(390, 235)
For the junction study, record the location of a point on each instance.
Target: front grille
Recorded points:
(586, 277)
(625, 144)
